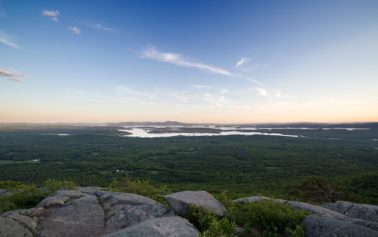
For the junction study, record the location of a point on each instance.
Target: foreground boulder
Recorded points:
(82, 216)
(159, 227)
(181, 201)
(355, 210)
(314, 209)
(252, 199)
(126, 209)
(12, 228)
(324, 226)
(19, 217)
(83, 212)
(92, 211)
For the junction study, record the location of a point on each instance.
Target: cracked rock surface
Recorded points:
(355, 210)
(159, 227)
(181, 201)
(92, 211)
(83, 212)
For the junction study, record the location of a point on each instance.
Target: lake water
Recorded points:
(144, 133)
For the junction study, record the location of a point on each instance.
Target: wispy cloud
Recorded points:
(101, 27)
(241, 62)
(179, 60)
(8, 40)
(265, 93)
(200, 86)
(75, 30)
(11, 74)
(244, 64)
(52, 14)
(261, 91)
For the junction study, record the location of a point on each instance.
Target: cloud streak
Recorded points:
(75, 30)
(179, 60)
(8, 41)
(261, 91)
(243, 61)
(101, 27)
(11, 75)
(200, 86)
(52, 14)
(265, 93)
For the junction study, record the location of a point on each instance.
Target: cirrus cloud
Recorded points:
(101, 27)
(8, 40)
(241, 62)
(11, 75)
(52, 14)
(75, 30)
(179, 60)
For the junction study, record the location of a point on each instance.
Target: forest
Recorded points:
(238, 165)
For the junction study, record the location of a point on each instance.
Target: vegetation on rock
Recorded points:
(141, 187)
(25, 195)
(263, 218)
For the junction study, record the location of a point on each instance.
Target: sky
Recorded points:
(208, 61)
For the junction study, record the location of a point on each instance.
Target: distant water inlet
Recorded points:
(56, 134)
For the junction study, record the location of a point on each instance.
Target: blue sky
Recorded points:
(192, 61)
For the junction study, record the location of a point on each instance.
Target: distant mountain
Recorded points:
(314, 125)
(166, 123)
(176, 123)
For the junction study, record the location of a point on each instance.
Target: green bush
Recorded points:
(209, 224)
(24, 196)
(28, 197)
(200, 217)
(141, 187)
(318, 189)
(53, 185)
(11, 185)
(6, 204)
(220, 228)
(224, 198)
(263, 219)
(268, 218)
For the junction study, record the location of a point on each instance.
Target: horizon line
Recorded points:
(172, 121)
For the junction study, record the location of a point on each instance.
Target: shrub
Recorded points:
(11, 185)
(6, 204)
(24, 196)
(267, 218)
(53, 185)
(28, 197)
(220, 228)
(224, 198)
(318, 189)
(141, 187)
(200, 217)
(209, 224)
